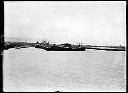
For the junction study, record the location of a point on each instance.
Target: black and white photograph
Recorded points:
(64, 46)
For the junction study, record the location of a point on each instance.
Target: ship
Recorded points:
(59, 47)
(64, 47)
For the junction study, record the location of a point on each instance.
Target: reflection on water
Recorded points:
(31, 69)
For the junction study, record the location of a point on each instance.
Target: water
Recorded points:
(32, 69)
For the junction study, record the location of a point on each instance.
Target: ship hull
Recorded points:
(64, 49)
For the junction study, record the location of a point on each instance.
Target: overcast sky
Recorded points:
(97, 23)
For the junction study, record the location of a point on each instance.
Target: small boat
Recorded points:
(38, 46)
(17, 47)
(24, 46)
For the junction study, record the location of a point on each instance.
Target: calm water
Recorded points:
(31, 69)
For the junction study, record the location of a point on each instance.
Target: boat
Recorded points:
(59, 47)
(17, 47)
(24, 46)
(64, 47)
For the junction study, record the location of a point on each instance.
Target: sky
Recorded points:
(87, 22)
